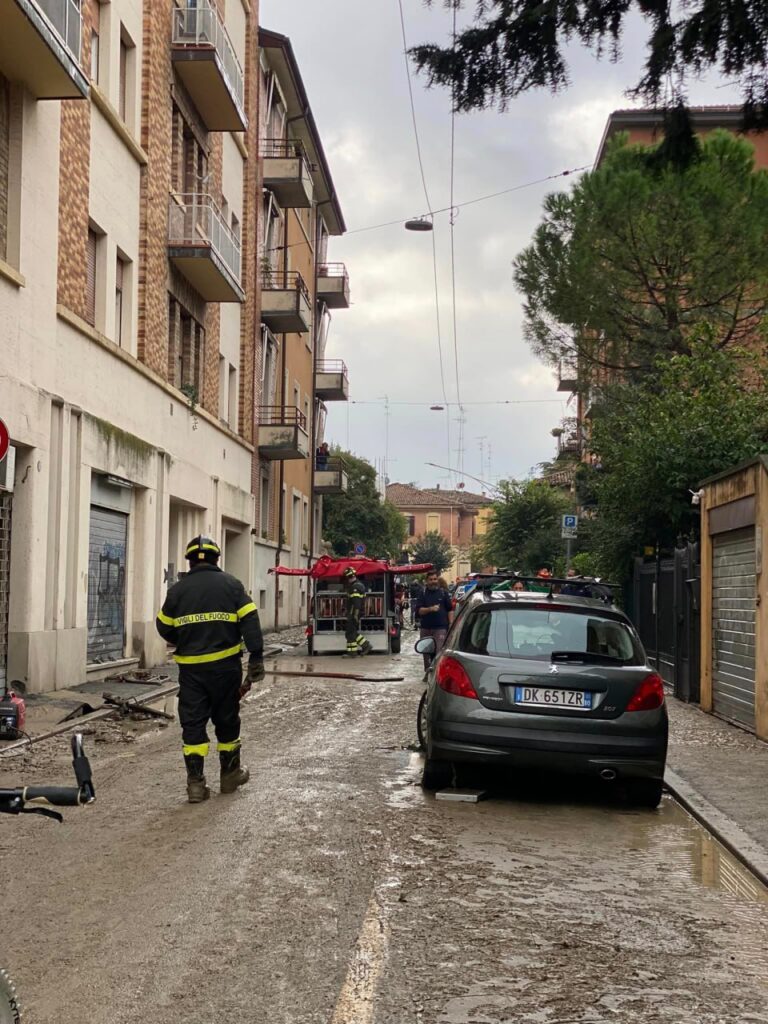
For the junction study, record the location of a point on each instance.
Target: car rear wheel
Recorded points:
(437, 774)
(645, 792)
(421, 721)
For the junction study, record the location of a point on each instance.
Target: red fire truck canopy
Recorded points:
(328, 568)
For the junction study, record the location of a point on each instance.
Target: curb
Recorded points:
(727, 832)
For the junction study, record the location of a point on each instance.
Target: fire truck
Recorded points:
(379, 622)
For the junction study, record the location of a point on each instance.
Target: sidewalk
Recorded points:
(720, 773)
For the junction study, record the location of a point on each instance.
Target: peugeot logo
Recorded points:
(553, 670)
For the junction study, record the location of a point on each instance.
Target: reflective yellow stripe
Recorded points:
(246, 610)
(188, 620)
(228, 747)
(199, 659)
(165, 619)
(196, 748)
(203, 547)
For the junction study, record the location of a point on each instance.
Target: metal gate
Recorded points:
(5, 582)
(106, 585)
(733, 626)
(665, 609)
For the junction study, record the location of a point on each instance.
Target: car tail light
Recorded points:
(393, 631)
(452, 678)
(649, 695)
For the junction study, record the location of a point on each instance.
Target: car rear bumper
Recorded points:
(640, 756)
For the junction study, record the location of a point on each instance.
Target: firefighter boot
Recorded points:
(232, 772)
(197, 790)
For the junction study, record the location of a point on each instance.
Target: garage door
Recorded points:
(733, 625)
(106, 585)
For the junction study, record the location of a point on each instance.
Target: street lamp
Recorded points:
(418, 224)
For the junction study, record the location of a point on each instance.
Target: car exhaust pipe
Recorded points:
(608, 774)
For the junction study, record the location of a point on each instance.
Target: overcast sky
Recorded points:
(351, 57)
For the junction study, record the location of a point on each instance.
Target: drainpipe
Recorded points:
(281, 483)
(313, 409)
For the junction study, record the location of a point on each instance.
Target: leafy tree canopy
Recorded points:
(433, 547)
(361, 515)
(627, 265)
(658, 438)
(513, 46)
(524, 529)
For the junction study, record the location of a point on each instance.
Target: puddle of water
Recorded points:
(404, 789)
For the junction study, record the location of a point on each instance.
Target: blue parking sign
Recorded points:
(570, 522)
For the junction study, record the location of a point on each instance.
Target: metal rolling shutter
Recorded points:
(733, 625)
(5, 582)
(106, 585)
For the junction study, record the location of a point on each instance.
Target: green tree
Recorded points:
(513, 46)
(658, 438)
(524, 529)
(359, 514)
(628, 265)
(433, 547)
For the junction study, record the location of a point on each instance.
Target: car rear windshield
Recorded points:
(525, 632)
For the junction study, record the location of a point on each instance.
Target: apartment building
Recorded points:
(129, 194)
(459, 516)
(299, 291)
(644, 127)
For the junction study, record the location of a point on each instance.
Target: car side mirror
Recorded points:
(426, 645)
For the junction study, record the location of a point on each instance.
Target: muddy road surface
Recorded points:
(332, 890)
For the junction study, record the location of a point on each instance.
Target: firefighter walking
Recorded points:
(208, 616)
(356, 591)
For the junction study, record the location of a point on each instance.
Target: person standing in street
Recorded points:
(435, 614)
(356, 591)
(208, 616)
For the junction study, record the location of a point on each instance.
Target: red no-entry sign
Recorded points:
(5, 440)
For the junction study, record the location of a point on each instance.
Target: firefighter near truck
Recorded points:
(345, 606)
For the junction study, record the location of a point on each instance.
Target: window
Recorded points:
(5, 146)
(90, 263)
(433, 522)
(535, 632)
(186, 350)
(120, 305)
(223, 410)
(95, 31)
(411, 524)
(126, 85)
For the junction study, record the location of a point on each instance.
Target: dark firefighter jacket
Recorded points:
(206, 615)
(356, 591)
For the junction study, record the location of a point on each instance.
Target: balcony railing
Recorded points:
(285, 302)
(286, 173)
(283, 149)
(276, 415)
(330, 475)
(41, 46)
(197, 230)
(568, 435)
(333, 285)
(200, 28)
(282, 432)
(331, 380)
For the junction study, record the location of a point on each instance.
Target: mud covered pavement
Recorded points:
(331, 890)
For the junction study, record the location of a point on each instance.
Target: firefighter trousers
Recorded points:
(210, 693)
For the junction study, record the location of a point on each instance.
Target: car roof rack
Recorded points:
(488, 582)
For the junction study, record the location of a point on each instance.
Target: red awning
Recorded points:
(327, 567)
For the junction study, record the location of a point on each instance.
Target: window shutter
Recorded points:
(90, 296)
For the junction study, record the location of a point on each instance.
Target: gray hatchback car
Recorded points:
(545, 682)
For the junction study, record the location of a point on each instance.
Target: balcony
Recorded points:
(40, 45)
(567, 375)
(331, 476)
(569, 437)
(282, 433)
(333, 285)
(202, 246)
(205, 61)
(331, 380)
(285, 304)
(286, 173)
